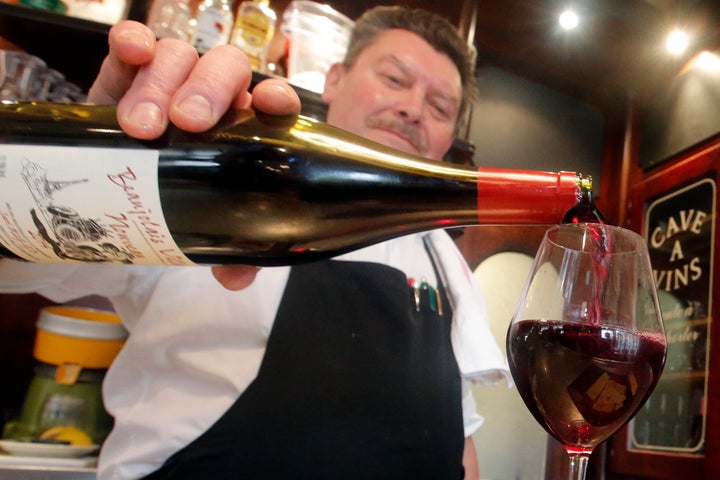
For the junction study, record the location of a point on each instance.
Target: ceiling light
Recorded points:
(703, 61)
(677, 42)
(569, 20)
(709, 61)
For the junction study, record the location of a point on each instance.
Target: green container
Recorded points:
(48, 404)
(53, 5)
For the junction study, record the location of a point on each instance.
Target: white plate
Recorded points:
(16, 460)
(30, 449)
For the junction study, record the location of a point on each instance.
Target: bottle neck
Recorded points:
(473, 196)
(585, 211)
(526, 196)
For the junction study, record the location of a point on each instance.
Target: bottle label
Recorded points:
(213, 28)
(252, 34)
(255, 27)
(83, 204)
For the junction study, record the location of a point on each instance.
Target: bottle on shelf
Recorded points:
(107, 11)
(254, 29)
(256, 189)
(213, 24)
(171, 19)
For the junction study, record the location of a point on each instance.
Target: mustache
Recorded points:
(408, 130)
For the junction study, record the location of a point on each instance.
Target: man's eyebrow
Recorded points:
(391, 58)
(436, 92)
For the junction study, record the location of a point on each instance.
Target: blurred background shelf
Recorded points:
(73, 46)
(76, 47)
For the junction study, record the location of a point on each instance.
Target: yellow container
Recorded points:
(78, 336)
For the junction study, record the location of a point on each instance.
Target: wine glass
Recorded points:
(586, 345)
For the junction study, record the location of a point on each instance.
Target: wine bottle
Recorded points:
(256, 189)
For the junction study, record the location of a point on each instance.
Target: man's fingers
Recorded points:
(131, 44)
(220, 79)
(158, 82)
(276, 97)
(143, 111)
(235, 277)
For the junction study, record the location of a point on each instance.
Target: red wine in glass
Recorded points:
(583, 382)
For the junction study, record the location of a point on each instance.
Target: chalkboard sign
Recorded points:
(680, 115)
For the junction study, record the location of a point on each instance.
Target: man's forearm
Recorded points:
(470, 462)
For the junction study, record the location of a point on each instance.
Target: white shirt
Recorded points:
(194, 346)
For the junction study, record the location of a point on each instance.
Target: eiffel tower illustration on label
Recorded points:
(52, 186)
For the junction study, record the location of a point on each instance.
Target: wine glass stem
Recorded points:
(578, 466)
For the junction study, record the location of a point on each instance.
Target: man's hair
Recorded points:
(434, 29)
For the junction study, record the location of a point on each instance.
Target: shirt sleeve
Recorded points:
(472, 420)
(66, 282)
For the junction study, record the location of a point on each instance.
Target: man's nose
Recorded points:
(410, 105)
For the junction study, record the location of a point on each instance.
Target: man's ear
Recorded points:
(332, 79)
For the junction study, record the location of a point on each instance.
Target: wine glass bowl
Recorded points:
(586, 345)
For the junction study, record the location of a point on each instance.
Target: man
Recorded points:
(323, 371)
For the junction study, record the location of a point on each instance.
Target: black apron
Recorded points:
(355, 384)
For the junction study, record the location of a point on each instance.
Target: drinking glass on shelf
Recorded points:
(587, 345)
(25, 77)
(17, 72)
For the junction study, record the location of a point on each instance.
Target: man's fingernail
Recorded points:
(196, 107)
(145, 114)
(136, 37)
(282, 87)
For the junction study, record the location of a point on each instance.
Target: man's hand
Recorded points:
(235, 277)
(154, 82)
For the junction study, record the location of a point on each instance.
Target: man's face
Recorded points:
(400, 92)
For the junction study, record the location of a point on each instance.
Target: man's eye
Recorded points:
(441, 111)
(392, 79)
